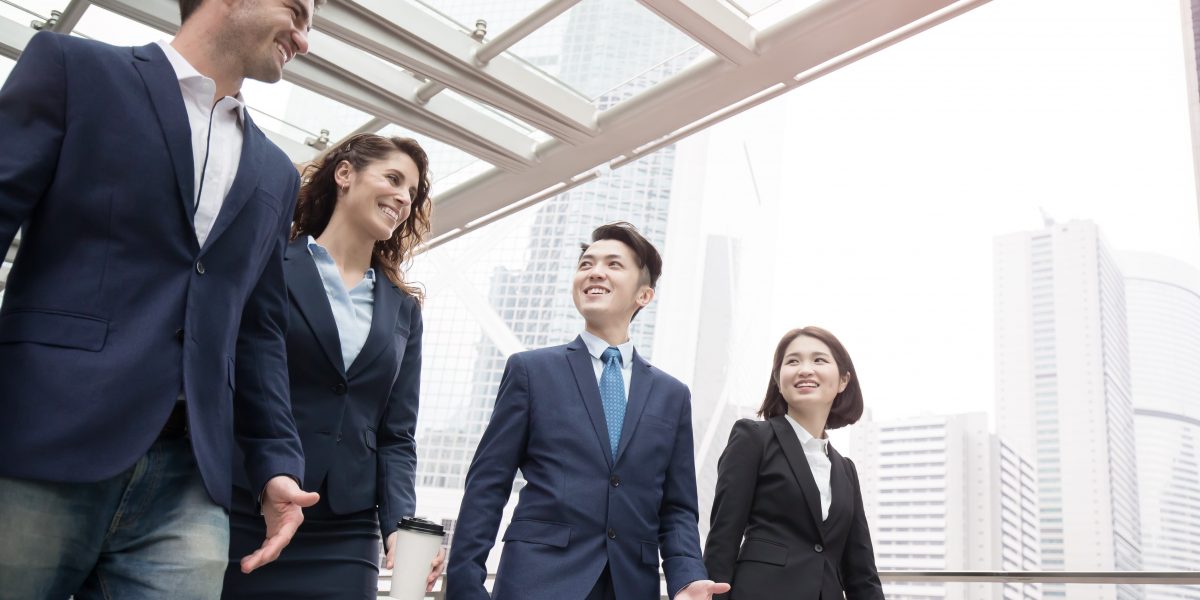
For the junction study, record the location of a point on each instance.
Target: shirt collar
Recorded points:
(806, 439)
(188, 76)
(597, 346)
(317, 250)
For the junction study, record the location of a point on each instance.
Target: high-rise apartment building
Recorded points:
(1063, 397)
(941, 493)
(1162, 298)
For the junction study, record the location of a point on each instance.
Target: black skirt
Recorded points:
(331, 557)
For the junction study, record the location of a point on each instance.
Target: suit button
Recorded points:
(612, 533)
(615, 481)
(338, 388)
(339, 438)
(819, 548)
(179, 334)
(200, 267)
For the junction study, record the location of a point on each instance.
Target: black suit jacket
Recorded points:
(766, 494)
(356, 425)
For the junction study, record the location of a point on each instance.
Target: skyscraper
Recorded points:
(1163, 300)
(942, 493)
(1063, 396)
(508, 287)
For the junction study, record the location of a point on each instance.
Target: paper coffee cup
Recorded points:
(417, 543)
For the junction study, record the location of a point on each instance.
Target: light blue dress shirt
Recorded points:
(597, 346)
(352, 309)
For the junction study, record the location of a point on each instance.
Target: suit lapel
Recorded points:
(307, 291)
(794, 453)
(589, 391)
(639, 391)
(163, 87)
(244, 183)
(384, 314)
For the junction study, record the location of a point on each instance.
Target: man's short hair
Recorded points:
(187, 7)
(648, 259)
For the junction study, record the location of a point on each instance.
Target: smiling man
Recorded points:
(143, 321)
(604, 442)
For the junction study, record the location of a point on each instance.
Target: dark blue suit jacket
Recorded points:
(579, 510)
(357, 425)
(112, 308)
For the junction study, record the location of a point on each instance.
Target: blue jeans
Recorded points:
(151, 532)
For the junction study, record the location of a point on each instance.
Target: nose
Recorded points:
(300, 41)
(403, 198)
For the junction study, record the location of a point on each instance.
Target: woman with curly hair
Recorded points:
(354, 362)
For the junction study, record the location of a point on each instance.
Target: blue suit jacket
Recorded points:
(112, 308)
(356, 425)
(579, 510)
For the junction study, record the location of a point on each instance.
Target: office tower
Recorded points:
(943, 494)
(1162, 298)
(507, 287)
(1063, 396)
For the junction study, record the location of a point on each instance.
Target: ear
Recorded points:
(645, 295)
(342, 174)
(845, 382)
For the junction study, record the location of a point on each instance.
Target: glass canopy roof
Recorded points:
(498, 91)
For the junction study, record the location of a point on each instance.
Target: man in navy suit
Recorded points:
(604, 442)
(142, 325)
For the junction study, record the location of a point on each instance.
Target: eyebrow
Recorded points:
(593, 257)
(798, 354)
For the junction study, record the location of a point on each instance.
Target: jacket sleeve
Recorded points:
(678, 514)
(737, 477)
(489, 484)
(32, 125)
(263, 422)
(397, 466)
(860, 578)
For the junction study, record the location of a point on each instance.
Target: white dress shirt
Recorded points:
(217, 138)
(596, 348)
(816, 450)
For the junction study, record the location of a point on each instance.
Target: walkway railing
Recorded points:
(1080, 577)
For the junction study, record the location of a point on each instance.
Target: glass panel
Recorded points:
(299, 113)
(444, 160)
(27, 11)
(6, 66)
(599, 44)
(107, 26)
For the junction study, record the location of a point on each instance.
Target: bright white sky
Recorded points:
(904, 166)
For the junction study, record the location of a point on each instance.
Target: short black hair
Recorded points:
(644, 252)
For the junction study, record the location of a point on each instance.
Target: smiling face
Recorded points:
(609, 285)
(809, 378)
(265, 34)
(378, 198)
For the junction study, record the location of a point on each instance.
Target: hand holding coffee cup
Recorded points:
(415, 541)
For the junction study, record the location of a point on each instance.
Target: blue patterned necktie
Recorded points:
(612, 395)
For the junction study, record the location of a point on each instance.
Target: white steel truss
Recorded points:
(394, 59)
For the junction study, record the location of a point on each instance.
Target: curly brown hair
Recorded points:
(319, 190)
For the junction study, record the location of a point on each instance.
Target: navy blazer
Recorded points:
(580, 509)
(768, 539)
(112, 307)
(357, 425)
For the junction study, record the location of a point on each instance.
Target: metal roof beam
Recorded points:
(816, 41)
(71, 15)
(713, 24)
(13, 38)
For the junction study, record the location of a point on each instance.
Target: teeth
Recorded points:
(595, 291)
(393, 215)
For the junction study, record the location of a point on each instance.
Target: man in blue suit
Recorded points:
(604, 441)
(142, 326)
